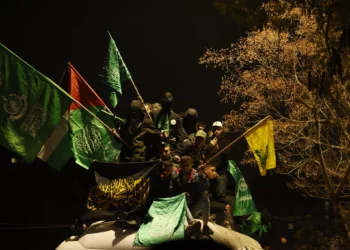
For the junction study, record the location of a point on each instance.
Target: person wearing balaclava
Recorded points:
(140, 134)
(190, 121)
(170, 125)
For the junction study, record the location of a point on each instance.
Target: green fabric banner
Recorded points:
(56, 151)
(164, 222)
(90, 139)
(31, 106)
(79, 134)
(244, 203)
(114, 72)
(253, 226)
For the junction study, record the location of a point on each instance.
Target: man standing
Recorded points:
(170, 125)
(217, 143)
(140, 134)
(197, 149)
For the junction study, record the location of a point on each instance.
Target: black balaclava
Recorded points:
(190, 120)
(166, 102)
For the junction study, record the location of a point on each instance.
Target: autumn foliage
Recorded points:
(296, 69)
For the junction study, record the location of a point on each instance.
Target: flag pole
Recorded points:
(238, 138)
(93, 91)
(113, 131)
(68, 95)
(63, 74)
(132, 81)
(141, 100)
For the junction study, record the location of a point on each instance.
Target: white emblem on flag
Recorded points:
(115, 74)
(242, 185)
(15, 105)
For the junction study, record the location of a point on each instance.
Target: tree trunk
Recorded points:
(339, 214)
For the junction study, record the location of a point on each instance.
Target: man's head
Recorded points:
(217, 128)
(166, 101)
(200, 138)
(200, 125)
(156, 106)
(210, 133)
(149, 107)
(191, 114)
(210, 171)
(186, 164)
(165, 152)
(166, 171)
(136, 112)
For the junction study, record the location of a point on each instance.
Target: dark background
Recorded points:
(161, 42)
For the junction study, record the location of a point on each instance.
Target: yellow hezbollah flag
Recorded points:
(261, 142)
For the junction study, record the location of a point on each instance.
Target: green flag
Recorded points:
(253, 226)
(244, 203)
(164, 222)
(56, 151)
(31, 106)
(79, 134)
(114, 72)
(90, 139)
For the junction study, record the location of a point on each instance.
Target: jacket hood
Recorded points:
(191, 112)
(136, 105)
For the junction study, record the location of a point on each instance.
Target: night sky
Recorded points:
(160, 42)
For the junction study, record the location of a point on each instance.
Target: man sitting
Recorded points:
(196, 186)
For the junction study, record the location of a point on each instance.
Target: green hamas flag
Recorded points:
(244, 203)
(31, 106)
(164, 222)
(254, 227)
(56, 151)
(79, 134)
(90, 139)
(114, 72)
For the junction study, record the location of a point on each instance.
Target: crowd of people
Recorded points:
(191, 163)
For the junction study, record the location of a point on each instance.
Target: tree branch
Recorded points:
(322, 161)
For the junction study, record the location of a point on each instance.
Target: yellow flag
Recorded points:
(261, 142)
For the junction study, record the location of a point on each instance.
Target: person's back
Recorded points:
(139, 132)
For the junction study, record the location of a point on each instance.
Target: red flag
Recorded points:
(81, 91)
